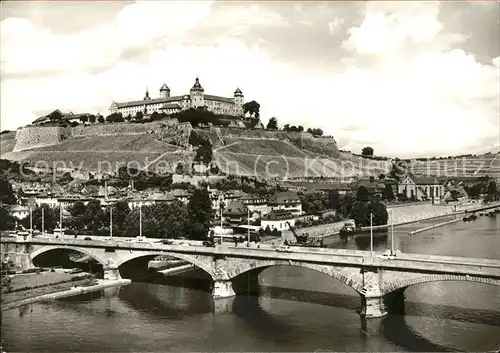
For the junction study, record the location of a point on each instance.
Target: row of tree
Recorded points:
(273, 125)
(167, 219)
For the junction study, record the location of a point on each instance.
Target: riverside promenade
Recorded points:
(400, 214)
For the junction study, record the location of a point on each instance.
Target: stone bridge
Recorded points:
(380, 282)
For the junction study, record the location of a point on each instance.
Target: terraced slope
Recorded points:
(266, 158)
(466, 166)
(97, 153)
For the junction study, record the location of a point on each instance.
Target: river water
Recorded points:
(297, 310)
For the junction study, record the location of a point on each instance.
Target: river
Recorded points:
(298, 310)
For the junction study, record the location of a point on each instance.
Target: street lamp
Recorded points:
(371, 234)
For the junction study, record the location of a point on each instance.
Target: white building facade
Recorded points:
(168, 104)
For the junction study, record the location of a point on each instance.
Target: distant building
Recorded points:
(65, 117)
(279, 219)
(421, 188)
(286, 201)
(235, 213)
(172, 104)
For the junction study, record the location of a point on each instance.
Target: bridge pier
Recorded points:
(224, 305)
(376, 305)
(223, 289)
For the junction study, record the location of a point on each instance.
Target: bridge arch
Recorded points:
(350, 276)
(419, 279)
(93, 254)
(127, 256)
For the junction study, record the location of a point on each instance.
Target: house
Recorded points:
(19, 212)
(421, 188)
(255, 203)
(278, 219)
(235, 213)
(253, 124)
(375, 188)
(286, 201)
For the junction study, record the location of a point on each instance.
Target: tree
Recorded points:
(334, 199)
(204, 153)
(100, 119)
(6, 193)
(388, 193)
(362, 194)
(200, 215)
(139, 115)
(7, 222)
(286, 127)
(300, 128)
(360, 214)
(492, 188)
(367, 151)
(379, 211)
(50, 217)
(252, 107)
(84, 119)
(381, 176)
(272, 124)
(78, 220)
(313, 202)
(92, 119)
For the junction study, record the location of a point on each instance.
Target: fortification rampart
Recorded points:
(39, 136)
(118, 129)
(326, 146)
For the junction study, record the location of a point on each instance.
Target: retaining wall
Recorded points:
(40, 136)
(318, 231)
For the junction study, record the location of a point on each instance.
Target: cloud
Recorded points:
(401, 88)
(335, 26)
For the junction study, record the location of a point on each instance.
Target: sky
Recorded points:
(409, 79)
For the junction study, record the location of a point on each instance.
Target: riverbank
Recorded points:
(25, 286)
(400, 215)
(57, 293)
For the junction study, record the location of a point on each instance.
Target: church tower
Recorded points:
(238, 102)
(164, 92)
(146, 97)
(197, 94)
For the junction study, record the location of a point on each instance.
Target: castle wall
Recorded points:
(40, 136)
(326, 146)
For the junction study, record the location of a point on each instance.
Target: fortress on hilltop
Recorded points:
(172, 104)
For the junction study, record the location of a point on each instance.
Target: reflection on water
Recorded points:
(297, 310)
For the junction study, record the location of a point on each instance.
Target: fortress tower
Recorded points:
(197, 94)
(238, 102)
(164, 91)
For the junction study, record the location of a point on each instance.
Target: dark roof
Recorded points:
(171, 106)
(424, 180)
(235, 208)
(252, 123)
(238, 92)
(278, 215)
(210, 97)
(284, 197)
(164, 87)
(197, 85)
(149, 101)
(40, 119)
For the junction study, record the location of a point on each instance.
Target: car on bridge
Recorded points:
(284, 248)
(387, 255)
